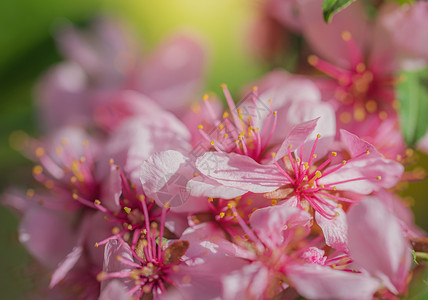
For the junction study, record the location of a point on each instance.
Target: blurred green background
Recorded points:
(27, 49)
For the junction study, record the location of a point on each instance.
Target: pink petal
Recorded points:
(239, 171)
(66, 265)
(114, 291)
(335, 230)
(250, 282)
(164, 177)
(273, 223)
(326, 39)
(205, 186)
(377, 244)
(318, 282)
(174, 71)
(47, 235)
(296, 137)
(377, 173)
(356, 146)
(112, 189)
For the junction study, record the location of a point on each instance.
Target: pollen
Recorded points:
(313, 60)
(225, 115)
(334, 153)
(30, 193)
(221, 215)
(111, 161)
(255, 88)
(223, 86)
(200, 127)
(212, 143)
(273, 202)
(378, 177)
(205, 97)
(37, 170)
(97, 202)
(40, 152)
(367, 152)
(371, 106)
(361, 67)
(346, 36)
(115, 230)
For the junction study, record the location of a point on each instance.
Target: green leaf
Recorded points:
(412, 93)
(331, 7)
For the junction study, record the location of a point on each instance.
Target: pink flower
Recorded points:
(361, 61)
(180, 269)
(106, 61)
(378, 245)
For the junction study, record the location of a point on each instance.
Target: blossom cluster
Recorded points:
(148, 189)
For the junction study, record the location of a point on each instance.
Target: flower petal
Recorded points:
(377, 244)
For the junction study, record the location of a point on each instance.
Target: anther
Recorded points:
(97, 202)
(346, 36)
(313, 60)
(40, 152)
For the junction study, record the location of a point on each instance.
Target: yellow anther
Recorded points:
(270, 100)
(127, 209)
(367, 152)
(339, 205)
(346, 36)
(318, 136)
(75, 196)
(313, 60)
(141, 197)
(314, 156)
(221, 127)
(225, 115)
(96, 245)
(255, 88)
(371, 106)
(306, 165)
(212, 143)
(275, 113)
(273, 202)
(205, 97)
(273, 154)
(144, 243)
(249, 118)
(200, 127)
(361, 67)
(167, 204)
(226, 135)
(82, 159)
(290, 146)
(334, 153)
(383, 115)
(111, 161)
(249, 201)
(246, 236)
(378, 177)
(344, 162)
(221, 215)
(195, 175)
(97, 202)
(210, 199)
(334, 188)
(40, 152)
(59, 150)
(231, 204)
(129, 227)
(298, 159)
(37, 170)
(345, 117)
(223, 86)
(115, 230)
(30, 193)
